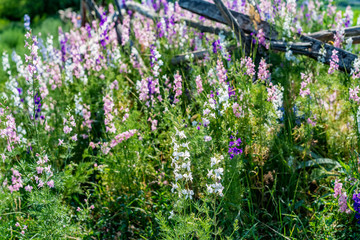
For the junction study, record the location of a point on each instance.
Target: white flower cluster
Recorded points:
(358, 118)
(288, 14)
(356, 66)
(182, 165)
(183, 35)
(12, 84)
(215, 174)
(322, 54)
(78, 104)
(157, 62)
(69, 67)
(19, 65)
(290, 56)
(223, 43)
(5, 63)
(277, 100)
(349, 43)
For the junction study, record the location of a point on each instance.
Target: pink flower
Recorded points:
(313, 123)
(67, 129)
(199, 84)
(28, 188)
(78, 209)
(306, 80)
(108, 109)
(61, 142)
(41, 184)
(177, 86)
(334, 62)
(17, 224)
(39, 170)
(50, 183)
(261, 36)
(114, 85)
(221, 71)
(153, 124)
(237, 110)
(249, 66)
(337, 188)
(92, 207)
(74, 138)
(343, 203)
(92, 145)
(339, 36)
(354, 94)
(263, 72)
(105, 149)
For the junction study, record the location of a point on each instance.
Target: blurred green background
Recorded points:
(44, 18)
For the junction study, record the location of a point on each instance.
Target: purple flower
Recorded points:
(233, 150)
(216, 46)
(27, 22)
(356, 198)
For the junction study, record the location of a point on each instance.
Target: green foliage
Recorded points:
(15, 10)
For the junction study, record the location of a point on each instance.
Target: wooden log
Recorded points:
(149, 13)
(117, 25)
(83, 12)
(308, 47)
(328, 35)
(313, 46)
(356, 39)
(346, 58)
(275, 45)
(118, 7)
(233, 23)
(196, 55)
(211, 12)
(92, 5)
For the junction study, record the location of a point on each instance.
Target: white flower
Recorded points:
(176, 154)
(171, 215)
(178, 176)
(176, 146)
(206, 111)
(210, 173)
(209, 188)
(182, 135)
(349, 43)
(185, 145)
(218, 172)
(218, 188)
(188, 176)
(174, 186)
(207, 138)
(186, 155)
(186, 165)
(223, 95)
(214, 160)
(206, 122)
